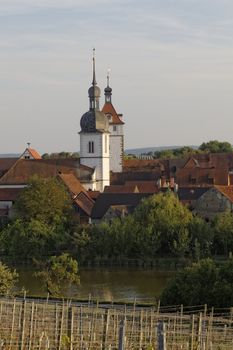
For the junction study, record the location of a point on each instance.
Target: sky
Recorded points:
(171, 67)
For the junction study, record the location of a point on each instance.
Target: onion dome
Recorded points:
(108, 90)
(94, 120)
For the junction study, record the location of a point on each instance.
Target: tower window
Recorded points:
(90, 147)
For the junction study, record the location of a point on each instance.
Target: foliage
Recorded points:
(60, 155)
(45, 200)
(192, 286)
(223, 233)
(8, 279)
(31, 240)
(202, 283)
(171, 153)
(164, 216)
(215, 146)
(201, 238)
(59, 274)
(130, 156)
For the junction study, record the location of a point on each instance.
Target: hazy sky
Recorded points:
(171, 70)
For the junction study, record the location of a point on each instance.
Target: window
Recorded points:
(114, 128)
(90, 147)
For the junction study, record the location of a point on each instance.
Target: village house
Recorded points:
(217, 199)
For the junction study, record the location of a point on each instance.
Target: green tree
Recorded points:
(202, 283)
(8, 279)
(31, 239)
(201, 238)
(223, 233)
(165, 217)
(45, 200)
(215, 146)
(194, 285)
(59, 274)
(223, 289)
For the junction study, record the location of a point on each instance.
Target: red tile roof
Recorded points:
(202, 176)
(72, 183)
(79, 194)
(93, 194)
(143, 164)
(34, 153)
(144, 186)
(6, 164)
(84, 202)
(9, 194)
(23, 169)
(109, 109)
(227, 191)
(121, 189)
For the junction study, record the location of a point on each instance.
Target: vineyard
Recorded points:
(44, 324)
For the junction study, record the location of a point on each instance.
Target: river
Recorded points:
(107, 284)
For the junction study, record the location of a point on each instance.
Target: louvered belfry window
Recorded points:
(91, 147)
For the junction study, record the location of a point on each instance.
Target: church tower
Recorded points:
(116, 131)
(94, 138)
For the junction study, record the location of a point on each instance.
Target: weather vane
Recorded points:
(108, 75)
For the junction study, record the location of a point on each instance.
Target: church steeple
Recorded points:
(108, 90)
(93, 68)
(94, 91)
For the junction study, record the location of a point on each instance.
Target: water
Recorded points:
(108, 284)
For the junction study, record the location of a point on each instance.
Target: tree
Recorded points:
(31, 239)
(215, 146)
(164, 217)
(223, 233)
(202, 283)
(201, 238)
(8, 279)
(59, 274)
(45, 200)
(192, 286)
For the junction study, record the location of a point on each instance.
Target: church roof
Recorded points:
(94, 121)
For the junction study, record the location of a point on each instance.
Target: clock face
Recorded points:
(109, 117)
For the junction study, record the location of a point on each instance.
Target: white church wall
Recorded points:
(116, 153)
(98, 159)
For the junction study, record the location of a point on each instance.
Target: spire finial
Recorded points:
(94, 78)
(108, 76)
